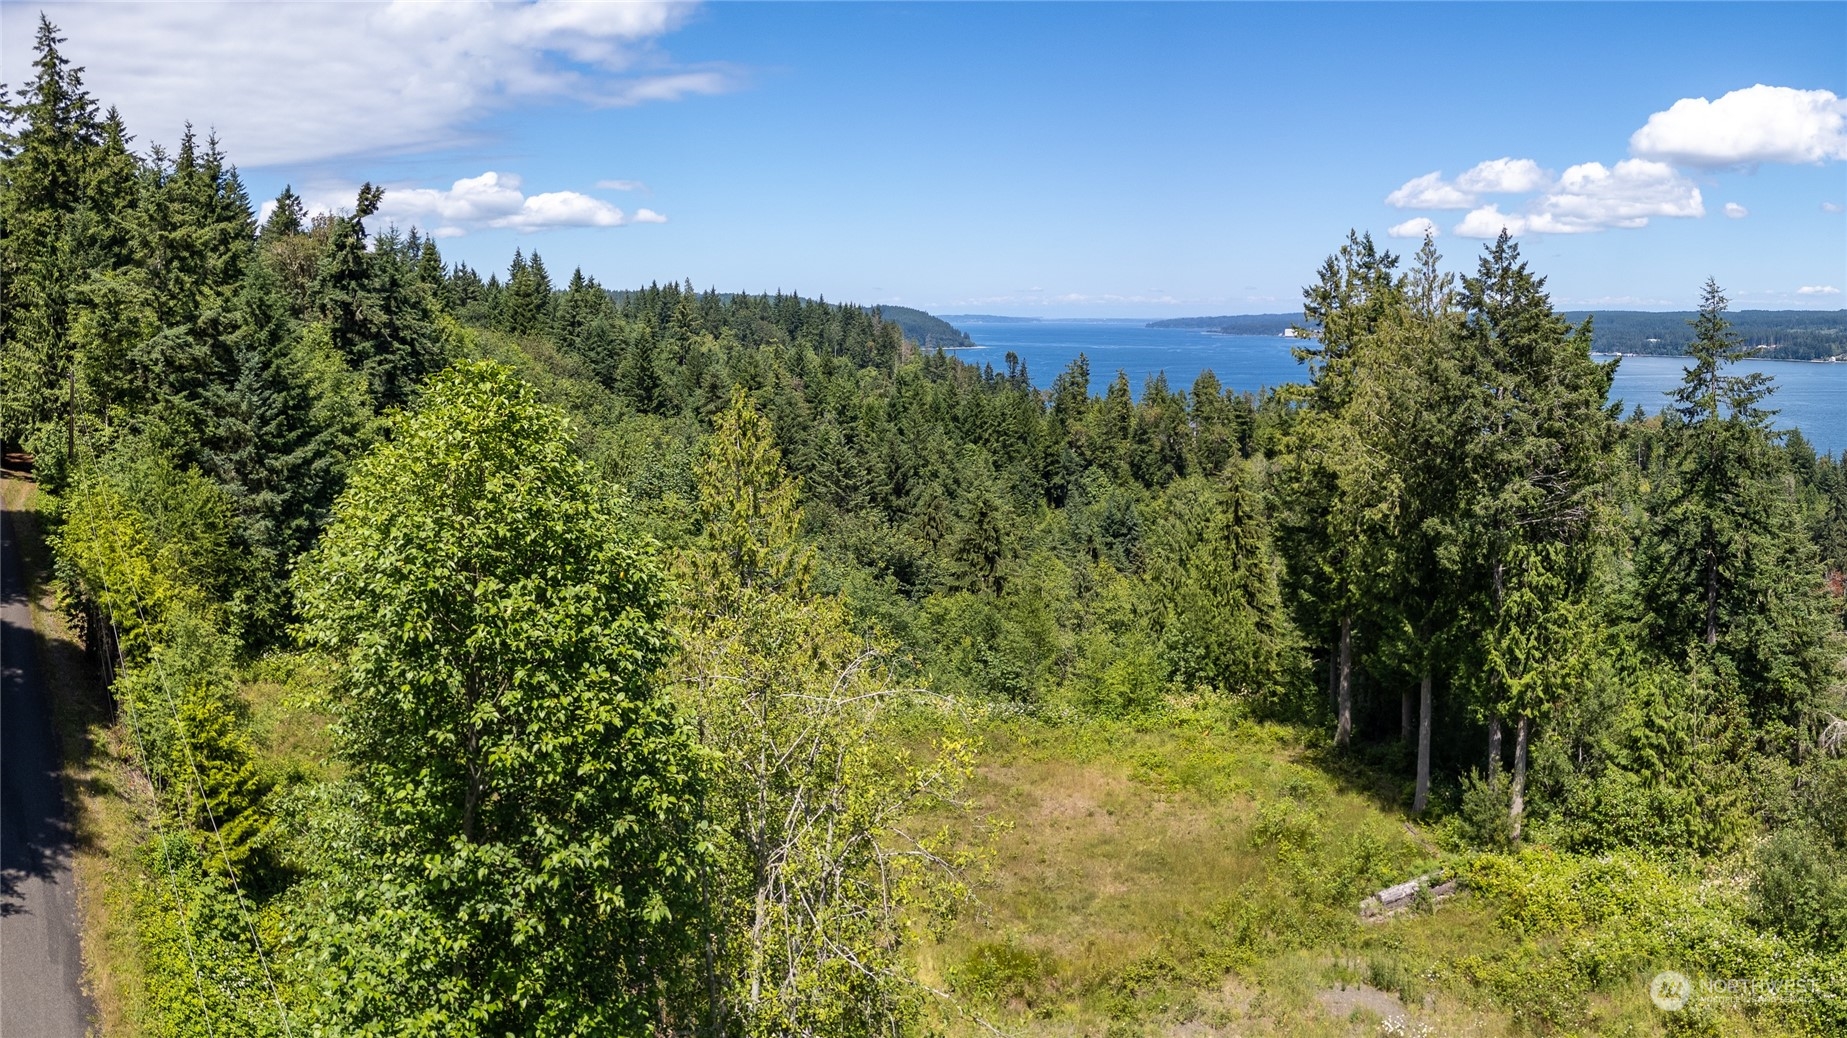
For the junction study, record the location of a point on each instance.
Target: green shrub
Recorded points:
(1485, 804)
(1799, 891)
(1002, 971)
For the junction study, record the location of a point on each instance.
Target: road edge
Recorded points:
(91, 773)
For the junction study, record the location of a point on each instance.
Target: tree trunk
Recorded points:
(1422, 799)
(70, 439)
(1343, 724)
(1494, 744)
(1404, 716)
(1712, 604)
(1516, 812)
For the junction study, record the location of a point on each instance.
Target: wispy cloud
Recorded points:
(1736, 211)
(622, 185)
(299, 82)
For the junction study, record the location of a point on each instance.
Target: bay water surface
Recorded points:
(1810, 397)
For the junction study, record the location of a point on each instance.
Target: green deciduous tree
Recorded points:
(527, 862)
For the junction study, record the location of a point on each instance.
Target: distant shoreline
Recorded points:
(1836, 359)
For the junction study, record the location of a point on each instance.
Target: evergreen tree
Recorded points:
(285, 415)
(378, 321)
(1225, 625)
(1536, 455)
(1725, 562)
(51, 137)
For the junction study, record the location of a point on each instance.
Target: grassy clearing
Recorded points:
(1200, 874)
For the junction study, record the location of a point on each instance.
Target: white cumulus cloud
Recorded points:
(1818, 290)
(1503, 176)
(560, 209)
(297, 82)
(489, 196)
(1591, 197)
(1736, 211)
(1757, 124)
(1415, 227)
(493, 199)
(1489, 221)
(1429, 191)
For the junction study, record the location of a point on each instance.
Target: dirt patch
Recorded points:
(1342, 1002)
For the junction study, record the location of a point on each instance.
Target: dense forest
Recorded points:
(642, 643)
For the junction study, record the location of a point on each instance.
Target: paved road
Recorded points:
(41, 969)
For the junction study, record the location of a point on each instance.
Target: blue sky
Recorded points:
(1048, 159)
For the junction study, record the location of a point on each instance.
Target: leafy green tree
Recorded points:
(527, 860)
(149, 549)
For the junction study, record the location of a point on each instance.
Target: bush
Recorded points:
(1798, 891)
(1485, 806)
(1002, 971)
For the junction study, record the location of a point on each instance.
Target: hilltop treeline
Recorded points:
(616, 611)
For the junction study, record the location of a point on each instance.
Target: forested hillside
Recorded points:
(925, 330)
(1773, 334)
(505, 655)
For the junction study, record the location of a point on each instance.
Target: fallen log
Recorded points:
(1393, 900)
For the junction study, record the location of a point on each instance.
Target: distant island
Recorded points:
(1776, 334)
(990, 319)
(1235, 324)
